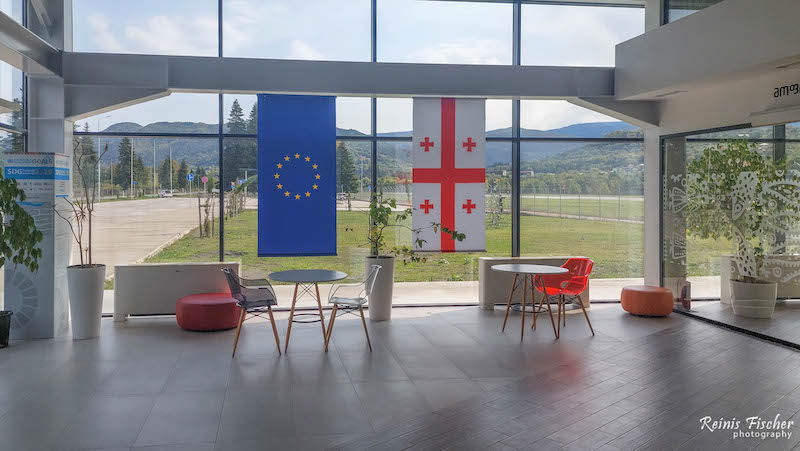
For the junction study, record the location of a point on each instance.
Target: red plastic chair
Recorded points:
(568, 286)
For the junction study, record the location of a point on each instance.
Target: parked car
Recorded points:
(165, 193)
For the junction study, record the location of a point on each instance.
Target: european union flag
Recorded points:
(296, 175)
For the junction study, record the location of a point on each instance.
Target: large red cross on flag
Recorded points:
(449, 175)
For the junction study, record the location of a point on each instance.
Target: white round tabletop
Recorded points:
(530, 269)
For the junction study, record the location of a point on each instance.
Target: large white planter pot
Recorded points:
(86, 299)
(380, 299)
(753, 300)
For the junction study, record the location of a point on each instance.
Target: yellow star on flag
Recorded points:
(314, 186)
(286, 193)
(280, 165)
(277, 176)
(297, 196)
(297, 155)
(280, 186)
(308, 158)
(308, 194)
(317, 176)
(286, 158)
(314, 166)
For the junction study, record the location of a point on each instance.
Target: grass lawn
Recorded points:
(615, 247)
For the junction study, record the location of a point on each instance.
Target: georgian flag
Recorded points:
(449, 175)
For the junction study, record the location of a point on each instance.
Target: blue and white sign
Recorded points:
(190, 176)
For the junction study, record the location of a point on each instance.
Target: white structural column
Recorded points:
(652, 206)
(39, 300)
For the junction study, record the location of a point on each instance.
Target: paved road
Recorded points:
(127, 231)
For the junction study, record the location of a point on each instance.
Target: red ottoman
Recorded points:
(207, 311)
(647, 301)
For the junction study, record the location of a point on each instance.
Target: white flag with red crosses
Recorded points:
(449, 175)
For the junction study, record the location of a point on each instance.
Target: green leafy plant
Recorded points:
(20, 235)
(722, 201)
(383, 215)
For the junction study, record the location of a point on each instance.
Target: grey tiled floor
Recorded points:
(445, 380)
(784, 324)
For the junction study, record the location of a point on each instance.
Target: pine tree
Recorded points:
(346, 178)
(122, 171)
(236, 122)
(252, 120)
(164, 173)
(183, 170)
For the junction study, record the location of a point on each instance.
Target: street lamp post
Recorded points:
(154, 167)
(97, 194)
(170, 168)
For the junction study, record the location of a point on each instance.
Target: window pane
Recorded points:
(11, 105)
(176, 113)
(12, 8)
(585, 199)
(560, 119)
(456, 275)
(241, 229)
(498, 118)
(289, 29)
(682, 8)
(141, 210)
(554, 35)
(394, 117)
(176, 27)
(444, 32)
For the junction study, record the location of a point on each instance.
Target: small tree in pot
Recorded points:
(20, 240)
(725, 200)
(383, 215)
(86, 279)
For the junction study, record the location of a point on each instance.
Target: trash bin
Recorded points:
(5, 327)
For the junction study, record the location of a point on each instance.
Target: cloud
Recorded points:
(299, 50)
(175, 36)
(102, 34)
(476, 51)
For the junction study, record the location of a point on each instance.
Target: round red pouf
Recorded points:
(207, 311)
(647, 301)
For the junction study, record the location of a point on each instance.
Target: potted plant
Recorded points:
(383, 214)
(85, 280)
(725, 186)
(20, 239)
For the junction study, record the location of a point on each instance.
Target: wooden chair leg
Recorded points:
(364, 322)
(508, 306)
(564, 302)
(238, 331)
(321, 315)
(291, 317)
(580, 301)
(274, 329)
(330, 326)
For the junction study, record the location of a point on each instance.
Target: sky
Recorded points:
(408, 31)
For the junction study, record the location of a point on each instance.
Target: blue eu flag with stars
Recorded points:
(296, 175)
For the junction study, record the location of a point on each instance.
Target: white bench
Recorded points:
(154, 288)
(495, 285)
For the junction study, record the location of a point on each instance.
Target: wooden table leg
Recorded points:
(291, 317)
(510, 295)
(321, 316)
(549, 310)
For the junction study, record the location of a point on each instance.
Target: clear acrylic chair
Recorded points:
(255, 297)
(347, 297)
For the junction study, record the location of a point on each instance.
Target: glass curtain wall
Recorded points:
(728, 197)
(676, 9)
(481, 33)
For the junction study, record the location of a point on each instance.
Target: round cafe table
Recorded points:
(531, 278)
(306, 281)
